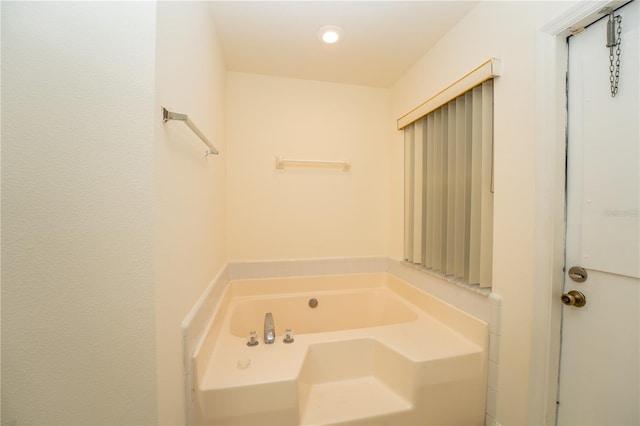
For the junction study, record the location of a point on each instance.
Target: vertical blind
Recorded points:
(449, 188)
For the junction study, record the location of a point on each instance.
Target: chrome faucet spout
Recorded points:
(269, 328)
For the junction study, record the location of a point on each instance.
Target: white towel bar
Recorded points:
(168, 115)
(281, 163)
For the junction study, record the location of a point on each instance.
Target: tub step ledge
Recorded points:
(362, 399)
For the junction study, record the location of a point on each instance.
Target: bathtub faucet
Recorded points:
(269, 328)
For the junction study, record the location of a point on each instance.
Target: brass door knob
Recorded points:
(574, 298)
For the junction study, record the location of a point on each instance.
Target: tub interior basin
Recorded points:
(334, 311)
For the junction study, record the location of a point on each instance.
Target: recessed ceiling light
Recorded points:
(329, 34)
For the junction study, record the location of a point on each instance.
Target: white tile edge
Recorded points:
(192, 336)
(495, 307)
(470, 301)
(310, 266)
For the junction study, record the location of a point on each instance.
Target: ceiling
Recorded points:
(381, 39)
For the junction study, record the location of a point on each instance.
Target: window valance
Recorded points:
(484, 72)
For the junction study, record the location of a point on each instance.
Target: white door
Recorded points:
(600, 360)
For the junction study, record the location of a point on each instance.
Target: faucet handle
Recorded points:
(253, 338)
(288, 336)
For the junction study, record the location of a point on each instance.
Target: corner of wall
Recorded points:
(189, 188)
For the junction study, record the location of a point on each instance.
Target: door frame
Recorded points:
(551, 122)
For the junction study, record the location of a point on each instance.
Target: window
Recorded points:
(449, 187)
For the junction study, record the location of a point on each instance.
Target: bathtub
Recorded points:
(371, 350)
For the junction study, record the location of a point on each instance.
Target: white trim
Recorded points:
(551, 70)
(549, 243)
(487, 70)
(579, 16)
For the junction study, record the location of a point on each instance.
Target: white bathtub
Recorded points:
(375, 351)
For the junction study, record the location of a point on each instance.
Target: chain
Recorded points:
(614, 71)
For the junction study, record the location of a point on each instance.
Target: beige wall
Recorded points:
(189, 189)
(305, 213)
(506, 30)
(113, 223)
(78, 318)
